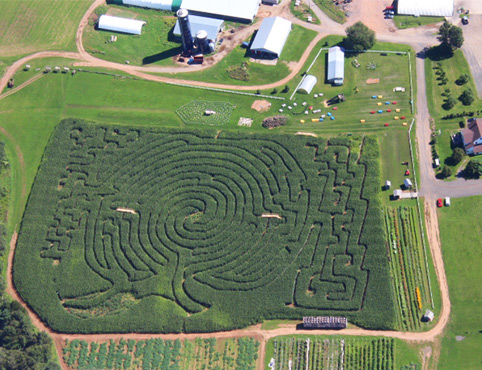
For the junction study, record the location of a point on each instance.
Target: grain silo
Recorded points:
(187, 41)
(202, 42)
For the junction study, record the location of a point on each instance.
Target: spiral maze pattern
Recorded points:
(200, 214)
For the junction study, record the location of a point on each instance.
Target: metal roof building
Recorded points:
(336, 66)
(117, 24)
(211, 25)
(438, 8)
(271, 36)
(171, 5)
(243, 11)
(307, 85)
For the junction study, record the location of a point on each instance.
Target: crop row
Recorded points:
(298, 353)
(186, 227)
(158, 354)
(409, 274)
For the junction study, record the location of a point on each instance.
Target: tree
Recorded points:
(286, 89)
(359, 37)
(450, 36)
(467, 97)
(457, 156)
(449, 103)
(275, 91)
(473, 170)
(446, 172)
(463, 79)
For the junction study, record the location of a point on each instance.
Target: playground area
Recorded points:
(376, 94)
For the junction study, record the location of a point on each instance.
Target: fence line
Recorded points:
(420, 214)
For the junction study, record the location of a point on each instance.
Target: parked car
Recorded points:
(440, 202)
(465, 20)
(447, 201)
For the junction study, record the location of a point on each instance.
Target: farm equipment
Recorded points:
(340, 98)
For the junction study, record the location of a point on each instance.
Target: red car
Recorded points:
(390, 7)
(440, 202)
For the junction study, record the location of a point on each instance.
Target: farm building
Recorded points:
(233, 10)
(436, 8)
(388, 184)
(324, 322)
(472, 136)
(271, 37)
(117, 24)
(271, 2)
(170, 5)
(397, 193)
(336, 66)
(307, 85)
(212, 26)
(408, 183)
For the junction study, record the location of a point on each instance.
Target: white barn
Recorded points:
(117, 24)
(308, 84)
(336, 66)
(271, 37)
(436, 8)
(170, 5)
(243, 11)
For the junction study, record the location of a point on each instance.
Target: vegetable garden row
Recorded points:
(158, 354)
(407, 262)
(142, 230)
(314, 353)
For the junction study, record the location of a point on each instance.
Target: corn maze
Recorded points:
(314, 353)
(133, 229)
(409, 273)
(213, 113)
(159, 354)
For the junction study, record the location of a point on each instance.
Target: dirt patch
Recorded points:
(126, 210)
(261, 105)
(306, 134)
(426, 355)
(372, 81)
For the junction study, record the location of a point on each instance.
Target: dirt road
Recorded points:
(430, 187)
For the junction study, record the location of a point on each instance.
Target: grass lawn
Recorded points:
(460, 230)
(30, 26)
(154, 46)
(297, 42)
(409, 21)
(453, 67)
(331, 10)
(302, 12)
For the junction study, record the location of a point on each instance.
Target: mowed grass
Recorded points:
(454, 67)
(154, 46)
(297, 42)
(409, 21)
(35, 25)
(460, 231)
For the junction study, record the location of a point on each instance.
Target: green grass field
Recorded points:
(303, 11)
(331, 10)
(408, 21)
(30, 26)
(335, 352)
(156, 44)
(460, 230)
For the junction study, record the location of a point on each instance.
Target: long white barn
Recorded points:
(244, 11)
(117, 24)
(436, 8)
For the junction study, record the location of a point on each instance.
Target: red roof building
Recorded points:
(472, 136)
